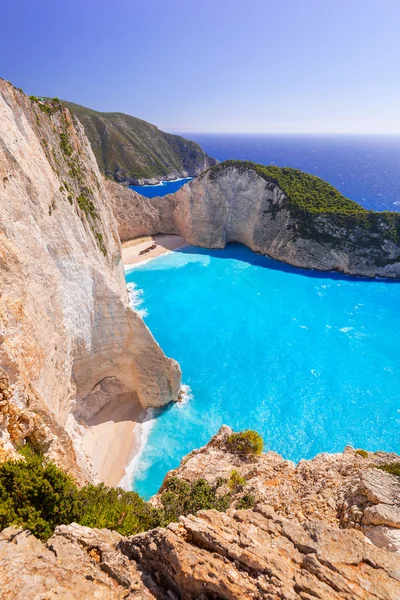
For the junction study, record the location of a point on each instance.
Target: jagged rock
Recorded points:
(341, 489)
(299, 542)
(253, 554)
(378, 486)
(76, 563)
(247, 554)
(382, 514)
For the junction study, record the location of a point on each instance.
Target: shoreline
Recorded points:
(131, 249)
(115, 437)
(110, 440)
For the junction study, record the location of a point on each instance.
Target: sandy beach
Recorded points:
(132, 249)
(110, 442)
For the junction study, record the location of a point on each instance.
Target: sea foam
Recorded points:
(136, 299)
(142, 431)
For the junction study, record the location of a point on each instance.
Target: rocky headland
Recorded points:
(288, 215)
(134, 152)
(321, 529)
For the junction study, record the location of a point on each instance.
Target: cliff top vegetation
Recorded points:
(312, 195)
(127, 148)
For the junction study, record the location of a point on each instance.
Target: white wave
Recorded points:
(345, 329)
(186, 395)
(136, 299)
(142, 431)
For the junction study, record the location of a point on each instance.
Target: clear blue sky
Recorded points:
(215, 65)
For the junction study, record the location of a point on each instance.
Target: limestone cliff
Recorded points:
(304, 539)
(69, 343)
(283, 213)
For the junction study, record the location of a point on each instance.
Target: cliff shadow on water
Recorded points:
(237, 251)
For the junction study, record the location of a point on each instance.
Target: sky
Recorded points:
(256, 66)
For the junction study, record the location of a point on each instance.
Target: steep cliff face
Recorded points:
(135, 152)
(317, 228)
(69, 343)
(303, 539)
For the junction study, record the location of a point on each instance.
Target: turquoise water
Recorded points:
(162, 189)
(310, 360)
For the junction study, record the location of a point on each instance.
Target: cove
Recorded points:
(162, 189)
(308, 359)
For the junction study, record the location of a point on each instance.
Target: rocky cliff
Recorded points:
(304, 538)
(69, 343)
(283, 213)
(135, 152)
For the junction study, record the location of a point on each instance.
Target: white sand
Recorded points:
(110, 440)
(164, 243)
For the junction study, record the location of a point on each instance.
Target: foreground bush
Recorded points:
(181, 498)
(114, 508)
(245, 442)
(36, 495)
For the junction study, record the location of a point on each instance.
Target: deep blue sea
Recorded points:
(162, 189)
(364, 168)
(310, 360)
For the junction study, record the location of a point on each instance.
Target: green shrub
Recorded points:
(245, 442)
(45, 108)
(247, 501)
(181, 498)
(114, 508)
(87, 206)
(64, 144)
(393, 468)
(100, 242)
(362, 453)
(235, 481)
(35, 494)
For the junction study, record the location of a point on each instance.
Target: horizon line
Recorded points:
(283, 133)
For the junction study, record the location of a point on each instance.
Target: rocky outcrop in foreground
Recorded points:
(69, 343)
(314, 228)
(305, 538)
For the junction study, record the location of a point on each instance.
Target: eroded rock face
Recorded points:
(344, 490)
(243, 554)
(76, 563)
(65, 322)
(256, 554)
(237, 205)
(308, 536)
